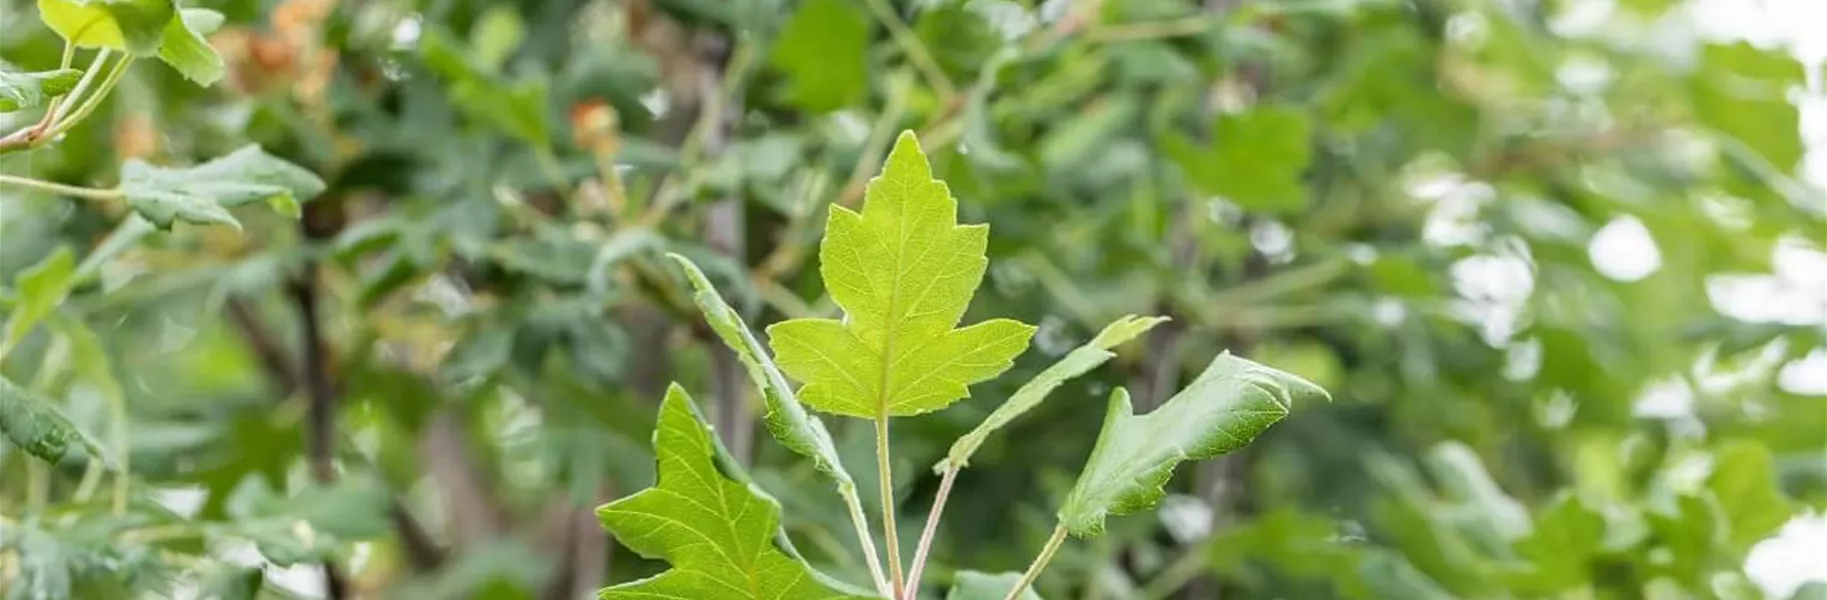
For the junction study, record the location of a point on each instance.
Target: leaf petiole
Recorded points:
(65, 122)
(926, 535)
(884, 470)
(58, 188)
(1040, 562)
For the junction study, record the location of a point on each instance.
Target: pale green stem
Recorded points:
(50, 108)
(885, 471)
(1040, 563)
(926, 535)
(94, 100)
(89, 76)
(861, 523)
(1184, 569)
(58, 188)
(117, 437)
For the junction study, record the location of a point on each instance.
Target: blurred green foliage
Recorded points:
(435, 374)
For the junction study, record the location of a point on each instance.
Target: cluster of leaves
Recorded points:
(480, 296)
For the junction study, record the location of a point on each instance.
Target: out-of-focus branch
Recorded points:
(319, 389)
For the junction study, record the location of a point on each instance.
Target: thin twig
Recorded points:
(319, 389)
(916, 51)
(58, 188)
(1040, 563)
(926, 535)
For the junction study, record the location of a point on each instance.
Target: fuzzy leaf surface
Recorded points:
(203, 193)
(1225, 408)
(719, 534)
(904, 271)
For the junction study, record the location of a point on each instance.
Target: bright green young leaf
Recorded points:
(1561, 546)
(1255, 158)
(41, 288)
(904, 271)
(31, 422)
(132, 26)
(183, 47)
(720, 535)
(974, 585)
(1744, 482)
(1078, 362)
(1225, 408)
(495, 36)
(26, 90)
(796, 429)
(824, 51)
(1742, 92)
(202, 193)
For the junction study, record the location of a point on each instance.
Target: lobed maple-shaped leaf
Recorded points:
(1225, 408)
(903, 270)
(721, 535)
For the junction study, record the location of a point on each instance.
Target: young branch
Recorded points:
(319, 389)
(885, 472)
(1040, 563)
(926, 535)
(867, 541)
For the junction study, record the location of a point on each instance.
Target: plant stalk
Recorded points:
(861, 523)
(58, 188)
(885, 473)
(66, 122)
(926, 535)
(1040, 562)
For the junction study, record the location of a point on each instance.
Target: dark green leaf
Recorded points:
(1254, 159)
(823, 50)
(32, 423)
(973, 585)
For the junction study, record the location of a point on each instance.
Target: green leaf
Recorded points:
(41, 288)
(132, 26)
(796, 429)
(1744, 482)
(824, 52)
(1078, 362)
(1255, 160)
(1564, 541)
(719, 534)
(496, 35)
(1742, 91)
(974, 585)
(31, 422)
(1225, 408)
(904, 272)
(26, 90)
(182, 46)
(202, 193)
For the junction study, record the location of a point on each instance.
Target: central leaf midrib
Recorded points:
(890, 328)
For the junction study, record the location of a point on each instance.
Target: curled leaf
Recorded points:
(1225, 408)
(32, 423)
(25, 90)
(202, 193)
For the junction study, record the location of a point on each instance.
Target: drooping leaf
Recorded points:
(1744, 482)
(1255, 159)
(26, 90)
(719, 534)
(182, 46)
(1225, 408)
(132, 26)
(904, 271)
(32, 423)
(41, 288)
(823, 49)
(974, 585)
(1078, 362)
(203, 193)
(787, 420)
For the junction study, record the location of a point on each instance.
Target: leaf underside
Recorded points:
(904, 271)
(1225, 408)
(20, 91)
(719, 534)
(203, 193)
